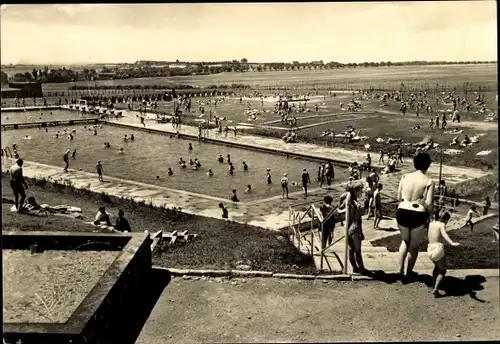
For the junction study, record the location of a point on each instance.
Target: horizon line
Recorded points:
(231, 61)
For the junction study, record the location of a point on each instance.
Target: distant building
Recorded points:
(22, 90)
(106, 75)
(182, 66)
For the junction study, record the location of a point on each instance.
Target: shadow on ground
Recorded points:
(135, 312)
(451, 286)
(390, 229)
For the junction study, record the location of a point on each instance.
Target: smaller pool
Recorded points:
(11, 117)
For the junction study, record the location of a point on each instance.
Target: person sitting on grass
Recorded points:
(435, 250)
(468, 218)
(122, 224)
(225, 214)
(465, 141)
(495, 232)
(454, 141)
(102, 217)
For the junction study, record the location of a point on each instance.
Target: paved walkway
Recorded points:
(375, 257)
(270, 213)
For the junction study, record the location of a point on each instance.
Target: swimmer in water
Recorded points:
(231, 168)
(210, 173)
(197, 162)
(195, 168)
(181, 161)
(191, 162)
(125, 138)
(234, 197)
(268, 176)
(57, 135)
(95, 131)
(170, 172)
(220, 158)
(229, 159)
(120, 151)
(132, 137)
(245, 166)
(73, 154)
(183, 165)
(190, 147)
(249, 189)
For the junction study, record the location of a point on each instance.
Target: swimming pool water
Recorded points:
(151, 154)
(10, 117)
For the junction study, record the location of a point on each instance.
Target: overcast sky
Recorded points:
(343, 32)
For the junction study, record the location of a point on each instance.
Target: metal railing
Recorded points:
(314, 233)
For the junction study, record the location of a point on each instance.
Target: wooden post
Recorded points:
(346, 253)
(322, 246)
(298, 237)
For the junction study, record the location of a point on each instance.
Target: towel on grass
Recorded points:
(485, 152)
(451, 151)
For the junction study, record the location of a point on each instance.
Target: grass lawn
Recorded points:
(476, 251)
(385, 126)
(41, 116)
(151, 155)
(220, 244)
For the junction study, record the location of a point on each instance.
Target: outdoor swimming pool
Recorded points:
(150, 155)
(10, 117)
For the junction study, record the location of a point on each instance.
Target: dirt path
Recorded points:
(273, 310)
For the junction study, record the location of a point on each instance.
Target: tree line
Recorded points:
(148, 69)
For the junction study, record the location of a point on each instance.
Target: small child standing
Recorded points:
(435, 250)
(468, 218)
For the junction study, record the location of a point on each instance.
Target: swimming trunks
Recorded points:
(17, 188)
(411, 219)
(435, 251)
